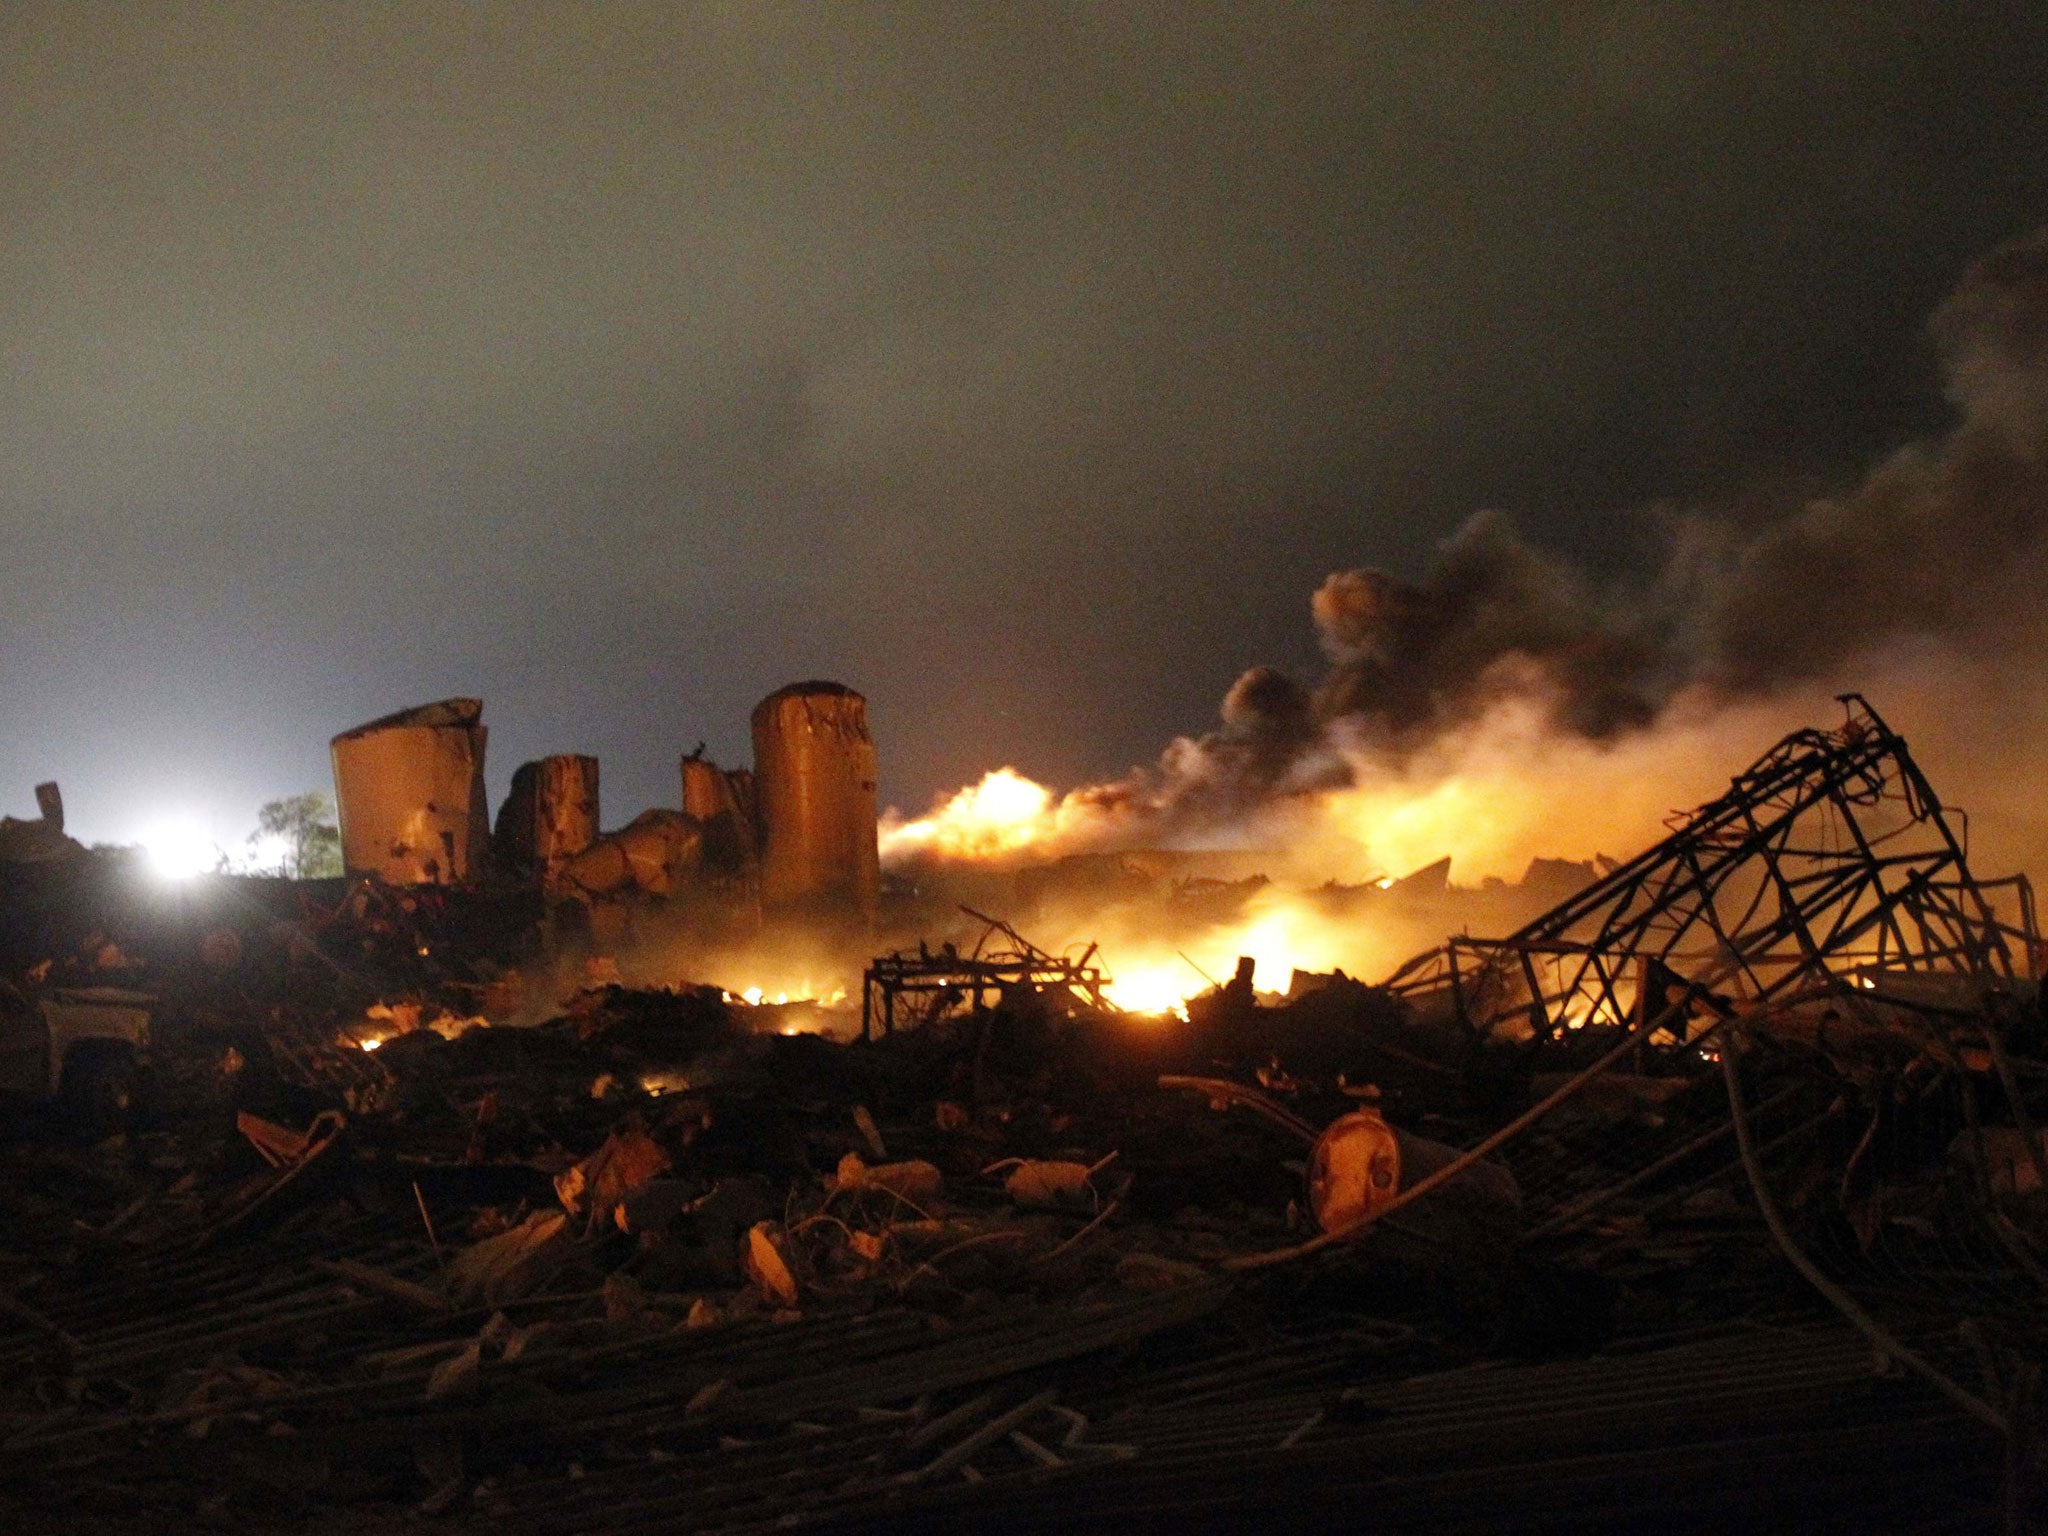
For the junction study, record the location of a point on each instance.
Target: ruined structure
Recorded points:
(1730, 1160)
(410, 791)
(656, 854)
(40, 841)
(926, 984)
(550, 816)
(814, 777)
(792, 841)
(722, 802)
(1827, 875)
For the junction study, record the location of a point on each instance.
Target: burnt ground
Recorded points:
(650, 1264)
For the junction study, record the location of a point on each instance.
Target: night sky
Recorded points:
(1024, 367)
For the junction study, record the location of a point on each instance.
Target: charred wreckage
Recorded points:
(1717, 1193)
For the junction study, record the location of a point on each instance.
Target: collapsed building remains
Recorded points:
(410, 791)
(722, 801)
(1714, 1197)
(550, 816)
(42, 840)
(814, 792)
(1827, 873)
(794, 838)
(1002, 962)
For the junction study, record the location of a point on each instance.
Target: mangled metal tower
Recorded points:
(1828, 868)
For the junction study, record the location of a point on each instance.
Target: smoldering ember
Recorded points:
(701, 1176)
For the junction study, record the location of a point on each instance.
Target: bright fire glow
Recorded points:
(1492, 796)
(1281, 930)
(1005, 813)
(803, 992)
(178, 850)
(1155, 988)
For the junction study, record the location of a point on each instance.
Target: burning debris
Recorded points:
(351, 1240)
(941, 983)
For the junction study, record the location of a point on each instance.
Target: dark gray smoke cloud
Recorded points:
(1944, 542)
(1412, 656)
(1945, 539)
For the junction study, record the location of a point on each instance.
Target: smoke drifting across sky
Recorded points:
(1945, 541)
(1927, 581)
(1021, 366)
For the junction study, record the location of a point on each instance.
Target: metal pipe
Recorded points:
(1840, 1299)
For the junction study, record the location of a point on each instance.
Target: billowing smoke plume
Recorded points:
(1944, 539)
(1945, 543)
(1494, 618)
(1492, 614)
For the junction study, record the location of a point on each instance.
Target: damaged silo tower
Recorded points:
(550, 816)
(814, 786)
(723, 804)
(410, 791)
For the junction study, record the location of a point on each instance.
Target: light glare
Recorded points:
(178, 850)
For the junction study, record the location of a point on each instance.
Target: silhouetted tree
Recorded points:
(305, 825)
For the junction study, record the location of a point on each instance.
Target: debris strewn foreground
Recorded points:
(1717, 1195)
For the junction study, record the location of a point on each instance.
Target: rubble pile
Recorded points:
(1731, 1161)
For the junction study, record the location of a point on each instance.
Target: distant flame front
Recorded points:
(1491, 797)
(1005, 814)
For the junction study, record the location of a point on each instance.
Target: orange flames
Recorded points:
(1491, 797)
(1004, 816)
(1279, 930)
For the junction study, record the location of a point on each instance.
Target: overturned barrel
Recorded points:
(550, 816)
(814, 788)
(410, 792)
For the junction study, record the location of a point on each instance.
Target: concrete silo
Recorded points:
(550, 816)
(722, 803)
(410, 792)
(814, 787)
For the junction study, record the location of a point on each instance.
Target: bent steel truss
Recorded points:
(1828, 867)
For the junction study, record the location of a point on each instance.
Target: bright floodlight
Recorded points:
(179, 850)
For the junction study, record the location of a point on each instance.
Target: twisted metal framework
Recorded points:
(1819, 927)
(1002, 960)
(1828, 868)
